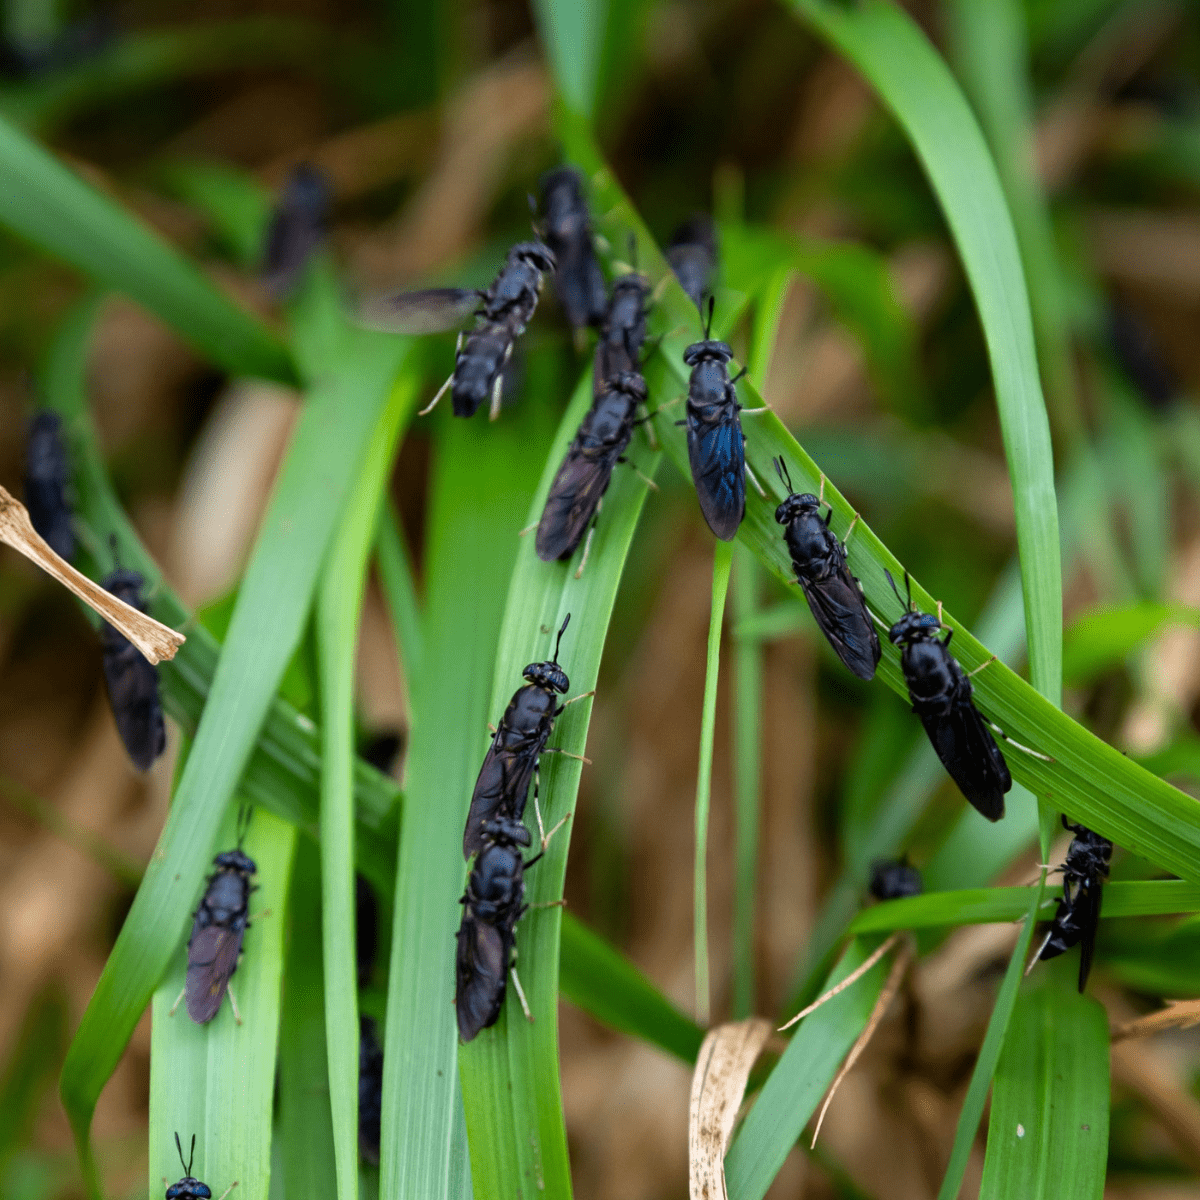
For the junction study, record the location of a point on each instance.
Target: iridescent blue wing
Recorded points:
(716, 452)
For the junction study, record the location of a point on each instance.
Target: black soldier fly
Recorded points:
(189, 1188)
(567, 230)
(578, 488)
(623, 333)
(716, 444)
(833, 594)
(370, 1091)
(132, 680)
(940, 691)
(511, 761)
(894, 880)
(46, 473)
(501, 313)
(692, 253)
(295, 231)
(220, 925)
(1078, 914)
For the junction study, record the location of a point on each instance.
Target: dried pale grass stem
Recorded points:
(853, 977)
(155, 640)
(1181, 1014)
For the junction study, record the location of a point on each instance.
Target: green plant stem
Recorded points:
(722, 558)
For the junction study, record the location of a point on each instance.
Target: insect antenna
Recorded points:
(243, 823)
(558, 640)
(893, 583)
(708, 322)
(785, 476)
(187, 1167)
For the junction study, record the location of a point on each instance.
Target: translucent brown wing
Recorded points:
(212, 959)
(574, 497)
(430, 310)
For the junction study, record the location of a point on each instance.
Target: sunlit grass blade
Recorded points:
(1048, 1131)
(510, 1075)
(47, 204)
(218, 1080)
(479, 498)
(339, 606)
(798, 1081)
(602, 982)
(722, 558)
(329, 442)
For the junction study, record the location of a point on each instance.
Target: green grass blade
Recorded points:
(396, 577)
(989, 1054)
(799, 1079)
(602, 982)
(573, 37)
(329, 443)
(49, 205)
(898, 61)
(1103, 638)
(218, 1080)
(1048, 1131)
(305, 1123)
(510, 1075)
(722, 559)
(339, 607)
(479, 497)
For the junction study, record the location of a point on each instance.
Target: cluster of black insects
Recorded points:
(495, 835)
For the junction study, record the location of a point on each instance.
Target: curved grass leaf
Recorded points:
(1048, 1131)
(511, 1085)
(49, 205)
(218, 1080)
(479, 496)
(329, 445)
(339, 606)
(1105, 637)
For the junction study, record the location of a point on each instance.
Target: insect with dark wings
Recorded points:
(131, 679)
(190, 1188)
(46, 472)
(1077, 917)
(941, 691)
(894, 879)
(623, 333)
(370, 1091)
(567, 230)
(578, 488)
(833, 594)
(295, 231)
(501, 314)
(219, 927)
(519, 741)
(692, 253)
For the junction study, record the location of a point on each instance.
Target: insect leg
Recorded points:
(1028, 750)
(581, 339)
(520, 993)
(237, 1016)
(497, 387)
(850, 529)
(182, 993)
(940, 621)
(529, 529)
(754, 412)
(581, 696)
(547, 836)
(1045, 942)
(440, 393)
(644, 478)
(878, 621)
(587, 547)
(981, 666)
(228, 1190)
(537, 808)
(567, 754)
(754, 480)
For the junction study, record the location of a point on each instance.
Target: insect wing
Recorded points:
(970, 755)
(579, 285)
(693, 266)
(502, 786)
(1087, 919)
(431, 310)
(839, 609)
(212, 959)
(574, 497)
(481, 973)
(133, 695)
(716, 452)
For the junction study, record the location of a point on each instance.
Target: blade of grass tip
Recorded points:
(49, 205)
(989, 1054)
(328, 444)
(799, 1079)
(218, 1080)
(602, 982)
(722, 558)
(305, 1121)
(1048, 1130)
(511, 1085)
(477, 504)
(396, 576)
(573, 36)
(339, 607)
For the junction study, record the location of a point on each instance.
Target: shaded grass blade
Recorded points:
(328, 445)
(396, 576)
(1048, 1130)
(479, 496)
(511, 1085)
(49, 205)
(339, 607)
(218, 1080)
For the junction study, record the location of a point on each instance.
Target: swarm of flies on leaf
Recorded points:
(218, 929)
(190, 1188)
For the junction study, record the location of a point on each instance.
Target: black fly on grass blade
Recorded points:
(219, 927)
(189, 1188)
(940, 691)
(295, 231)
(519, 741)
(833, 594)
(567, 230)
(893, 879)
(501, 314)
(1077, 917)
(692, 253)
(132, 680)
(623, 333)
(370, 1091)
(46, 473)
